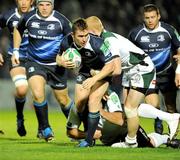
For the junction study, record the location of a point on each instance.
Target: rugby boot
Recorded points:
(48, 134)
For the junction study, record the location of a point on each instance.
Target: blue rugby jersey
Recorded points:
(158, 43)
(10, 19)
(94, 55)
(45, 35)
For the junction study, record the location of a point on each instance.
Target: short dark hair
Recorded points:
(79, 24)
(150, 7)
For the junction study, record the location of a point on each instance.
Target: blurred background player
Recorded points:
(160, 41)
(46, 28)
(10, 19)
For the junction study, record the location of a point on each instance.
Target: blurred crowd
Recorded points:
(118, 15)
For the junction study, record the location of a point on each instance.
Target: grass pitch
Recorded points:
(13, 147)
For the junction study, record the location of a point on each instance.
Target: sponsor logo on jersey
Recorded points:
(42, 32)
(105, 49)
(15, 23)
(145, 39)
(51, 26)
(59, 85)
(160, 38)
(153, 45)
(35, 25)
(79, 78)
(88, 54)
(31, 69)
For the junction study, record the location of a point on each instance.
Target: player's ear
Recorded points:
(32, 2)
(159, 15)
(72, 34)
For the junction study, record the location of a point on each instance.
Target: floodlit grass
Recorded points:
(13, 147)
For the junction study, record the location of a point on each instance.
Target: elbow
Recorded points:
(120, 122)
(73, 133)
(116, 72)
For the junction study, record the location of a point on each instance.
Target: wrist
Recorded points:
(178, 69)
(16, 52)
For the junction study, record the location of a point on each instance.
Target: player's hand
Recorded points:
(1, 59)
(176, 57)
(15, 57)
(88, 83)
(177, 80)
(94, 72)
(63, 62)
(97, 134)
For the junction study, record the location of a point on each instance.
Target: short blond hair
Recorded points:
(94, 23)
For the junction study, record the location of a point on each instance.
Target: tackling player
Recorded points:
(138, 74)
(112, 127)
(10, 19)
(46, 28)
(160, 41)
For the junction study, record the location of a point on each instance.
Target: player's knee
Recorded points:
(94, 99)
(21, 91)
(64, 100)
(131, 113)
(21, 84)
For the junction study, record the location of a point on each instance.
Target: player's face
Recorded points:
(24, 5)
(80, 37)
(151, 19)
(45, 9)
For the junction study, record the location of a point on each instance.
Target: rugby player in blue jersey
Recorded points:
(46, 29)
(10, 19)
(95, 55)
(160, 41)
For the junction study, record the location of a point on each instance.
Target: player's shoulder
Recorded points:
(136, 29)
(167, 26)
(94, 38)
(59, 15)
(29, 14)
(95, 41)
(67, 41)
(9, 13)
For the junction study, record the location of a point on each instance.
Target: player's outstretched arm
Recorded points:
(16, 42)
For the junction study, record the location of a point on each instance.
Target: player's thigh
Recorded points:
(17, 71)
(153, 99)
(134, 98)
(170, 100)
(62, 96)
(81, 97)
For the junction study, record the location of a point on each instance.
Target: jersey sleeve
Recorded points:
(64, 44)
(21, 25)
(175, 38)
(66, 26)
(131, 36)
(2, 21)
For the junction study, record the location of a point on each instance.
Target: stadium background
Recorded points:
(117, 15)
